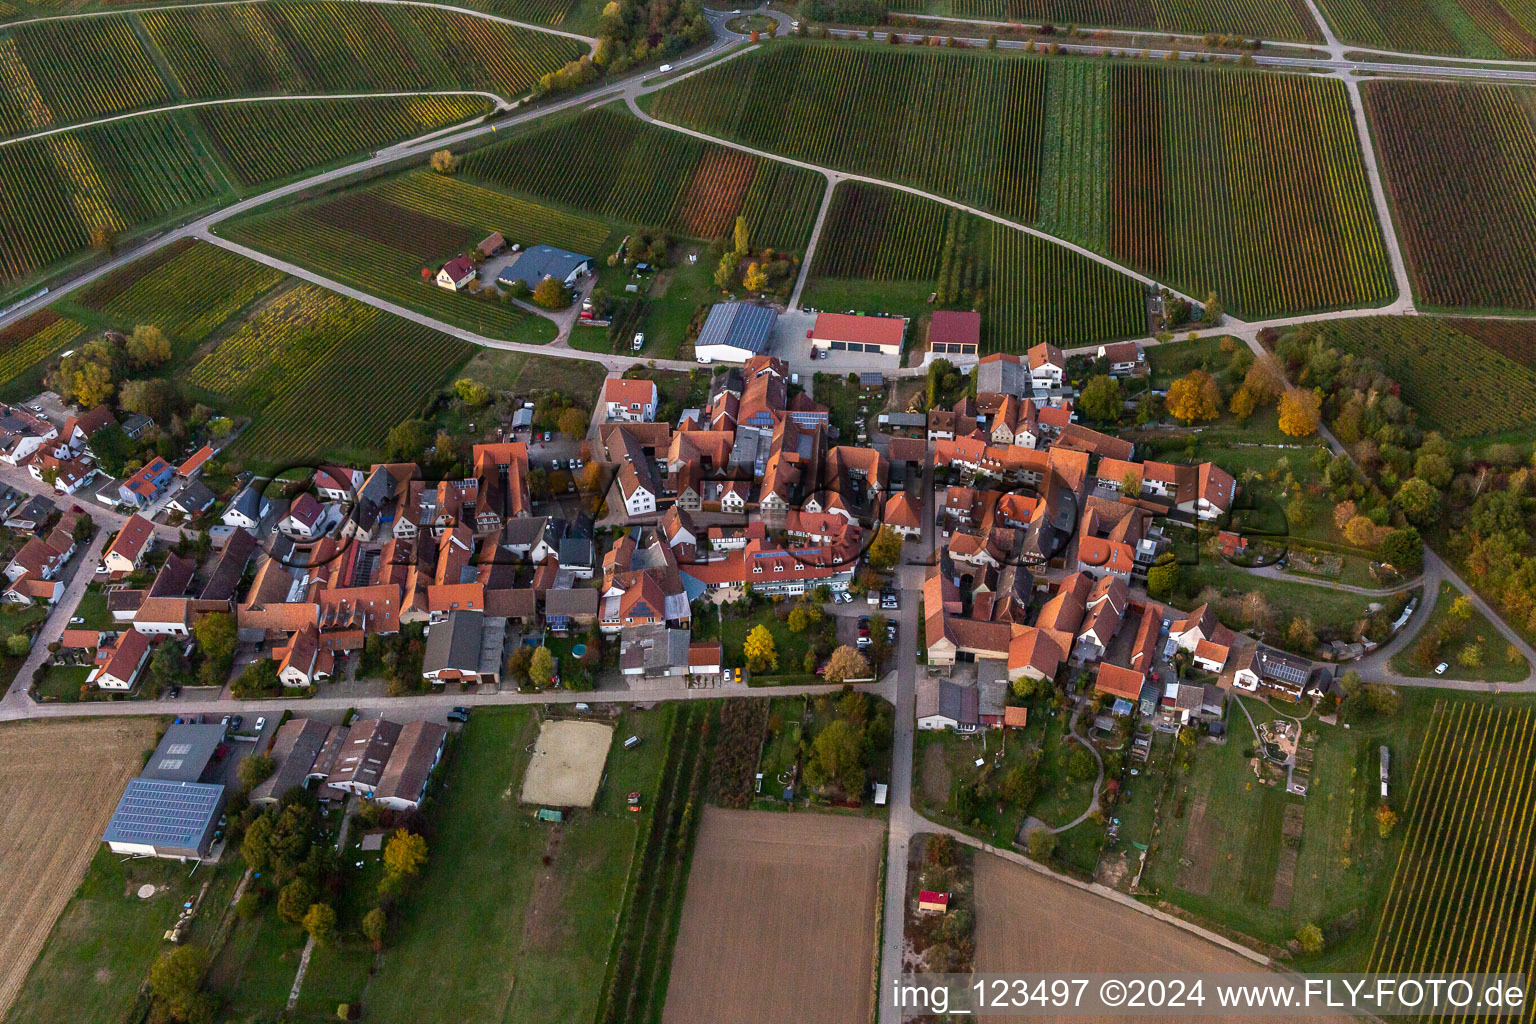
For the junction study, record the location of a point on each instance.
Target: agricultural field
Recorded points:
(747, 951)
(1030, 923)
(907, 246)
(57, 804)
(381, 239)
(187, 290)
(67, 192)
(298, 363)
(1462, 897)
(258, 49)
(1515, 339)
(269, 141)
(29, 340)
(618, 167)
(1117, 157)
(1459, 386)
(1457, 162)
(1472, 28)
(63, 72)
(1262, 19)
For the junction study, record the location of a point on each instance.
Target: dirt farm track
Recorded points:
(61, 781)
(1026, 922)
(779, 920)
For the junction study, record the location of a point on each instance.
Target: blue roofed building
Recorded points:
(735, 332)
(168, 811)
(540, 261)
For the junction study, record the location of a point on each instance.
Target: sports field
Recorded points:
(779, 920)
(567, 764)
(57, 803)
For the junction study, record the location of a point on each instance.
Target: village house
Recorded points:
(143, 488)
(629, 401)
(456, 274)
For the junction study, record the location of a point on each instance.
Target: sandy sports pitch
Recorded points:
(567, 764)
(1029, 923)
(61, 782)
(779, 921)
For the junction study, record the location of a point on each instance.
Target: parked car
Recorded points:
(261, 723)
(457, 715)
(1440, 668)
(77, 620)
(865, 641)
(554, 463)
(234, 723)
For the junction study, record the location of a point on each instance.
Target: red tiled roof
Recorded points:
(1119, 682)
(954, 327)
(195, 463)
(868, 330)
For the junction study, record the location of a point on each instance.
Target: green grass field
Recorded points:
(104, 942)
(490, 932)
(1496, 660)
(1112, 156)
(1219, 840)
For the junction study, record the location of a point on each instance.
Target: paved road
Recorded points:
(84, 566)
(500, 103)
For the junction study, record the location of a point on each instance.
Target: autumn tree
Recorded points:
(1419, 501)
(444, 162)
(1243, 403)
(471, 392)
(1310, 939)
(762, 654)
(847, 663)
(405, 854)
(837, 757)
(1101, 399)
(1386, 821)
(885, 549)
(740, 236)
(755, 279)
(176, 979)
(294, 899)
(725, 272)
(1300, 635)
(1299, 412)
(147, 346)
(1360, 532)
(573, 422)
(541, 668)
(550, 294)
(1264, 381)
(798, 619)
(375, 926)
(320, 922)
(1195, 397)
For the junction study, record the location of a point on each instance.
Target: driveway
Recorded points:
(83, 566)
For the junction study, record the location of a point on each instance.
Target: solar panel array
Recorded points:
(161, 813)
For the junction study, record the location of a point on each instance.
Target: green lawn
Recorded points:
(944, 762)
(105, 941)
(1171, 361)
(63, 682)
(1499, 661)
(491, 933)
(93, 609)
(1326, 607)
(735, 626)
(525, 374)
(1222, 867)
(905, 298)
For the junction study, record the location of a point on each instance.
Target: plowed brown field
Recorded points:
(1028, 923)
(61, 781)
(779, 922)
